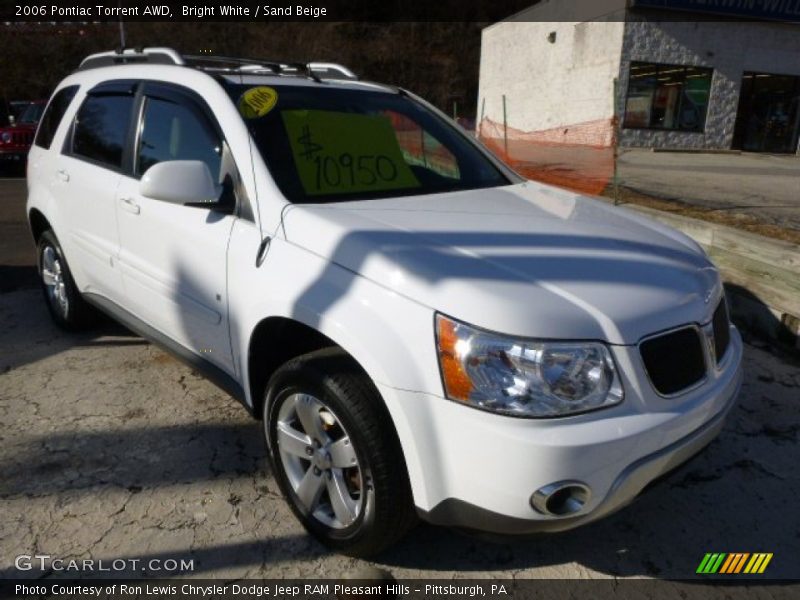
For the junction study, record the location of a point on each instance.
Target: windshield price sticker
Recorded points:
(257, 102)
(341, 153)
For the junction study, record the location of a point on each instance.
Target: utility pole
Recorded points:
(505, 128)
(121, 27)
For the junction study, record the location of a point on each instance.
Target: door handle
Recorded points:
(62, 175)
(129, 205)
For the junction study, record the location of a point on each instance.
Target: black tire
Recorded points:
(73, 313)
(386, 509)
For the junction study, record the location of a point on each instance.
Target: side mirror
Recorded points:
(186, 182)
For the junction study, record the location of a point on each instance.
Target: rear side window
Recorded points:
(101, 128)
(174, 131)
(53, 115)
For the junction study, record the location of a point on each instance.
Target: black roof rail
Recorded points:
(229, 63)
(314, 70)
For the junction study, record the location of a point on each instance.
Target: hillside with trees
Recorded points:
(437, 60)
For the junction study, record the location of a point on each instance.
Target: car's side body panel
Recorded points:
(45, 186)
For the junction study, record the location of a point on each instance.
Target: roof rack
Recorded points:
(332, 70)
(217, 64)
(121, 56)
(230, 64)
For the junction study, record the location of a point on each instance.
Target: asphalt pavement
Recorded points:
(17, 253)
(763, 186)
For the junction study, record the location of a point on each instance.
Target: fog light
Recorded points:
(561, 499)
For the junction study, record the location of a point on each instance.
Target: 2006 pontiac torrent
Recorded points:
(423, 332)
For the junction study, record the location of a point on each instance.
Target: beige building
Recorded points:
(561, 70)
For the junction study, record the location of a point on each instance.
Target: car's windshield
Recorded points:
(326, 144)
(32, 113)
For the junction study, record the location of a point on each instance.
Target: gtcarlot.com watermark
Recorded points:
(46, 562)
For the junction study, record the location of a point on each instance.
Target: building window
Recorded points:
(670, 97)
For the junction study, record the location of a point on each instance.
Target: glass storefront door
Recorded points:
(768, 119)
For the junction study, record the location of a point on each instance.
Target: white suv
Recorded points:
(423, 332)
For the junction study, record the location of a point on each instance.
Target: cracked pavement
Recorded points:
(110, 448)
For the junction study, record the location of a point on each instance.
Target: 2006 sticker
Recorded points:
(257, 102)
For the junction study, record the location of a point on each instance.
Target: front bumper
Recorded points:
(478, 470)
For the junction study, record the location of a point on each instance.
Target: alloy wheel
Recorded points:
(54, 280)
(320, 461)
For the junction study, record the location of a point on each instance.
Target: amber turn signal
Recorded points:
(456, 381)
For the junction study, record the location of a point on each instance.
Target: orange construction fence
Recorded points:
(579, 157)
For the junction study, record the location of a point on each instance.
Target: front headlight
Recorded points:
(5, 137)
(524, 378)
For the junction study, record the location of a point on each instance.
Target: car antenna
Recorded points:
(261, 253)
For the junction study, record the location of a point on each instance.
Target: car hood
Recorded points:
(524, 259)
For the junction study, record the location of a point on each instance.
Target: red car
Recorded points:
(16, 140)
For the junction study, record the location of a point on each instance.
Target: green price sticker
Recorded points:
(342, 153)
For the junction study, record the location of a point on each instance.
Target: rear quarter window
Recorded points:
(53, 115)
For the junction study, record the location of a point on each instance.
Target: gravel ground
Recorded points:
(111, 449)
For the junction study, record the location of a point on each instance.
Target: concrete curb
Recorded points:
(696, 150)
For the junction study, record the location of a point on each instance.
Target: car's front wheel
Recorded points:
(336, 455)
(67, 307)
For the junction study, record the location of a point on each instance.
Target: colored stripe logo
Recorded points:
(734, 563)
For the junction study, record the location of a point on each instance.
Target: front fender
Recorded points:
(389, 335)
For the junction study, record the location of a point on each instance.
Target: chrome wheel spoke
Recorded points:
(307, 409)
(344, 506)
(48, 259)
(310, 489)
(49, 270)
(293, 441)
(343, 456)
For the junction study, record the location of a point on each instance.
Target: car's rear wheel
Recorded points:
(64, 301)
(336, 455)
